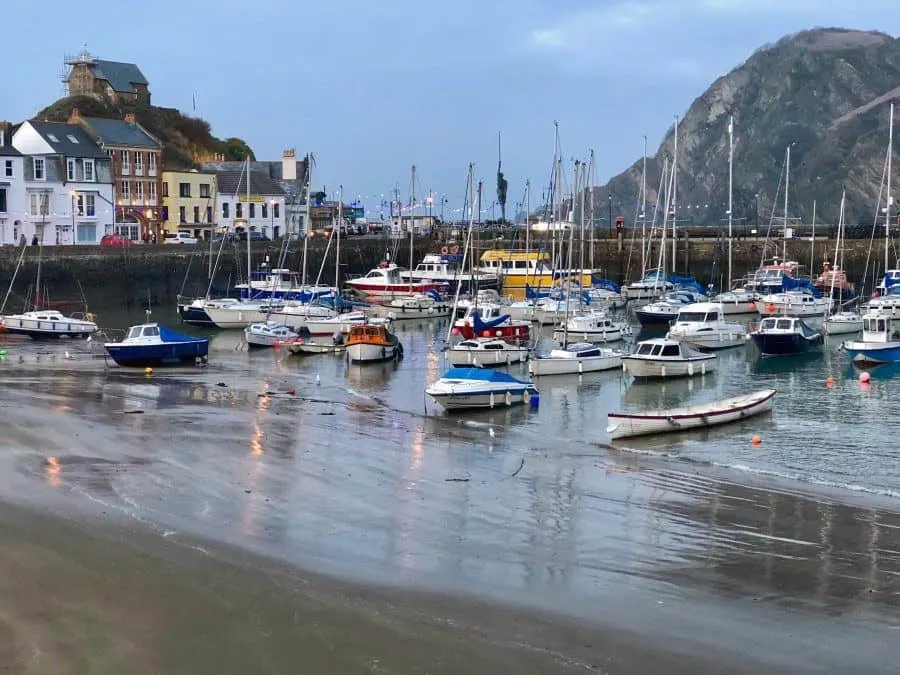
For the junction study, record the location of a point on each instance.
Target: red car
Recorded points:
(114, 240)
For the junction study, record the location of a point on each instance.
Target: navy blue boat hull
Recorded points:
(166, 354)
(786, 344)
(194, 316)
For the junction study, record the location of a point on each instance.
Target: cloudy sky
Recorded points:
(373, 87)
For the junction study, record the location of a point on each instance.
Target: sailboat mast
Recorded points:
(890, 199)
(527, 228)
(309, 165)
(247, 229)
(837, 252)
(812, 244)
(412, 219)
(674, 196)
(643, 214)
(591, 175)
(337, 239)
(730, 192)
(581, 243)
(470, 186)
(571, 245)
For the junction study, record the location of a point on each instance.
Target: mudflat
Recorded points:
(83, 597)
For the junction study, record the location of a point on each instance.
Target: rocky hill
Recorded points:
(187, 141)
(826, 91)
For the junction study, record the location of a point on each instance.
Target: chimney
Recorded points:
(129, 117)
(75, 116)
(289, 164)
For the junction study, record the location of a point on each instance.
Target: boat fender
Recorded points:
(492, 400)
(690, 369)
(454, 250)
(508, 399)
(445, 250)
(703, 369)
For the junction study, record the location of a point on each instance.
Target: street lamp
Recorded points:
(72, 195)
(272, 214)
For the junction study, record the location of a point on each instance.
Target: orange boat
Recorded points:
(368, 343)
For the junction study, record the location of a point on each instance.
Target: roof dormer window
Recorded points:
(53, 138)
(72, 138)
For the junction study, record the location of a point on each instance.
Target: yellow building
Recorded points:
(189, 202)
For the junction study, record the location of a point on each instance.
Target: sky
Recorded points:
(372, 88)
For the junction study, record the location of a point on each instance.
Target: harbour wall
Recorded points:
(132, 274)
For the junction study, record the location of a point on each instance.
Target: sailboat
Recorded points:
(845, 321)
(574, 358)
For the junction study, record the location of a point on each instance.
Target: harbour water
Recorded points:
(348, 470)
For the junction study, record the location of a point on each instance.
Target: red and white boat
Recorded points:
(489, 321)
(385, 282)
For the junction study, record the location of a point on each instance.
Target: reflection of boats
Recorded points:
(624, 425)
(48, 323)
(785, 336)
(465, 388)
(703, 325)
(150, 344)
(486, 352)
(661, 357)
(369, 343)
(880, 341)
(576, 358)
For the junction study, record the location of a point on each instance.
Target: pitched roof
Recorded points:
(234, 182)
(6, 148)
(57, 134)
(122, 76)
(121, 133)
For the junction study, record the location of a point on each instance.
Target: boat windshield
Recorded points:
(134, 332)
(645, 349)
(670, 350)
(784, 324)
(767, 324)
(150, 331)
(693, 317)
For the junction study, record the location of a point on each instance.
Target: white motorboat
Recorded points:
(240, 314)
(880, 340)
(305, 346)
(577, 358)
(385, 282)
(552, 310)
(793, 303)
(624, 425)
(268, 334)
(665, 310)
(889, 302)
(412, 307)
(342, 323)
(703, 325)
(193, 312)
(445, 267)
(296, 314)
(485, 352)
(738, 301)
(843, 323)
(521, 310)
(467, 388)
(661, 358)
(652, 286)
(49, 323)
(602, 296)
(592, 327)
(484, 297)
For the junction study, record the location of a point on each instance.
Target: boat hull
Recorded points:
(316, 348)
(714, 414)
(872, 353)
(573, 366)
(656, 319)
(467, 400)
(738, 307)
(593, 336)
(364, 352)
(786, 344)
(48, 330)
(710, 340)
(391, 291)
(485, 358)
(167, 354)
(657, 369)
(237, 318)
(843, 327)
(404, 312)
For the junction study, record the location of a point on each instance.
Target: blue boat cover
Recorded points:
(888, 282)
(531, 294)
(169, 335)
(607, 284)
(478, 325)
(481, 374)
(789, 284)
(433, 294)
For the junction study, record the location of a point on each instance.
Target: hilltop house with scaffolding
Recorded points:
(112, 81)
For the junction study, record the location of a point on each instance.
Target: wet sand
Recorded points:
(80, 597)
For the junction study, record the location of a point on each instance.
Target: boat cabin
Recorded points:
(786, 325)
(877, 327)
(147, 330)
(386, 275)
(491, 345)
(699, 313)
(515, 262)
(370, 333)
(487, 312)
(658, 349)
(439, 264)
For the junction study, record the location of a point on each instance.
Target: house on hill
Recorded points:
(113, 81)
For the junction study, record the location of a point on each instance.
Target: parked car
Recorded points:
(179, 238)
(115, 240)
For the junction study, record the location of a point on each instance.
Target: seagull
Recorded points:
(317, 378)
(491, 432)
(68, 356)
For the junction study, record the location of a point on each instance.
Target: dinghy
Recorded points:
(623, 425)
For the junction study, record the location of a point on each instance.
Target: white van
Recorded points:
(179, 238)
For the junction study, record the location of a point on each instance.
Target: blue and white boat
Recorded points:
(880, 340)
(150, 344)
(466, 388)
(280, 284)
(785, 336)
(194, 312)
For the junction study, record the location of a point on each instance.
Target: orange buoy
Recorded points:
(771, 308)
(756, 440)
(864, 377)
(829, 381)
(752, 306)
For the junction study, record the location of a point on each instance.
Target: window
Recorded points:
(152, 164)
(196, 214)
(39, 203)
(126, 162)
(224, 209)
(138, 163)
(204, 190)
(184, 189)
(53, 138)
(40, 172)
(165, 189)
(87, 233)
(89, 171)
(70, 169)
(3, 201)
(72, 139)
(265, 211)
(208, 214)
(89, 209)
(239, 210)
(275, 209)
(126, 192)
(152, 192)
(139, 191)
(182, 214)
(79, 205)
(252, 210)
(8, 170)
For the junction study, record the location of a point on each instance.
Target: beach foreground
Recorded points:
(79, 597)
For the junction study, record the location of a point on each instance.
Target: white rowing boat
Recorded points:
(622, 425)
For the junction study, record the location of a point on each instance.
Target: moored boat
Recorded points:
(737, 301)
(446, 268)
(427, 306)
(268, 334)
(843, 323)
(385, 282)
(47, 324)
(624, 425)
(487, 321)
(663, 358)
(880, 340)
(785, 336)
(577, 358)
(484, 352)
(467, 388)
(703, 325)
(592, 327)
(150, 344)
(370, 343)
